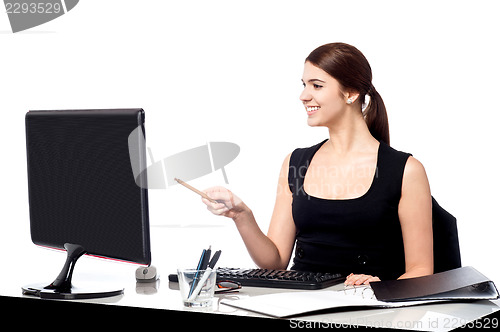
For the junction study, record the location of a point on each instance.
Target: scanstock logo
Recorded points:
(26, 14)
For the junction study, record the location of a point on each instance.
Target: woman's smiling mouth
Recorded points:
(312, 109)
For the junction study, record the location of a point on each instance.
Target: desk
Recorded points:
(163, 294)
(432, 317)
(41, 265)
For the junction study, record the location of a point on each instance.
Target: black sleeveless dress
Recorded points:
(360, 235)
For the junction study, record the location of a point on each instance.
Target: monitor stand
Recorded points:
(62, 288)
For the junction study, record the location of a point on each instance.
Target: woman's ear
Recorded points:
(351, 96)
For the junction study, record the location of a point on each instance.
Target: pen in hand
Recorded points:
(202, 194)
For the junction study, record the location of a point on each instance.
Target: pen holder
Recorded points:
(197, 287)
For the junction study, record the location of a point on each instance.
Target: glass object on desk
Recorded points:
(364, 291)
(197, 287)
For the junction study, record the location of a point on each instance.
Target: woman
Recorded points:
(350, 204)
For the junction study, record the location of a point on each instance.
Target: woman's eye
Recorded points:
(315, 86)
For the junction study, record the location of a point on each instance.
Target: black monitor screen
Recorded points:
(81, 183)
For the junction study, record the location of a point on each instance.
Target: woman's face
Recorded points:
(322, 97)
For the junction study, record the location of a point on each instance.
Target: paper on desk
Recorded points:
(463, 283)
(289, 304)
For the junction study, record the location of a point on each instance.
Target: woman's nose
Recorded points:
(305, 96)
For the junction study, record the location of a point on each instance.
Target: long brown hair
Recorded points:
(350, 68)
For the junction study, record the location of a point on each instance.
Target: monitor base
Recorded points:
(75, 293)
(62, 287)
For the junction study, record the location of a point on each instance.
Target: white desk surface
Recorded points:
(41, 265)
(433, 317)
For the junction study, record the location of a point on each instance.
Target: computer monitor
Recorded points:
(83, 195)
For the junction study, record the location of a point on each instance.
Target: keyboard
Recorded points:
(289, 279)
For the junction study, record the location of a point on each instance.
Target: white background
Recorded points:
(230, 71)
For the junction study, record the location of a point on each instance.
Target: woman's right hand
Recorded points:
(360, 279)
(228, 204)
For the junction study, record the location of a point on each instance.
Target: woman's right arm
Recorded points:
(271, 251)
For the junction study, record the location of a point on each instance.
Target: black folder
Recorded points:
(464, 283)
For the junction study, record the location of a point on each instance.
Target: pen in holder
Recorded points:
(202, 264)
(197, 286)
(204, 289)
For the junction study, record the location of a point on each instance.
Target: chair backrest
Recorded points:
(445, 236)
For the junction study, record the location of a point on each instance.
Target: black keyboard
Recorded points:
(289, 279)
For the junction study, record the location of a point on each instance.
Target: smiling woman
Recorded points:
(350, 204)
(352, 71)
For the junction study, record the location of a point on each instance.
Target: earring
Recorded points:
(349, 101)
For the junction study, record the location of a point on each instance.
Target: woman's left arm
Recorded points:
(415, 215)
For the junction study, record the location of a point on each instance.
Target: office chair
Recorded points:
(445, 237)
